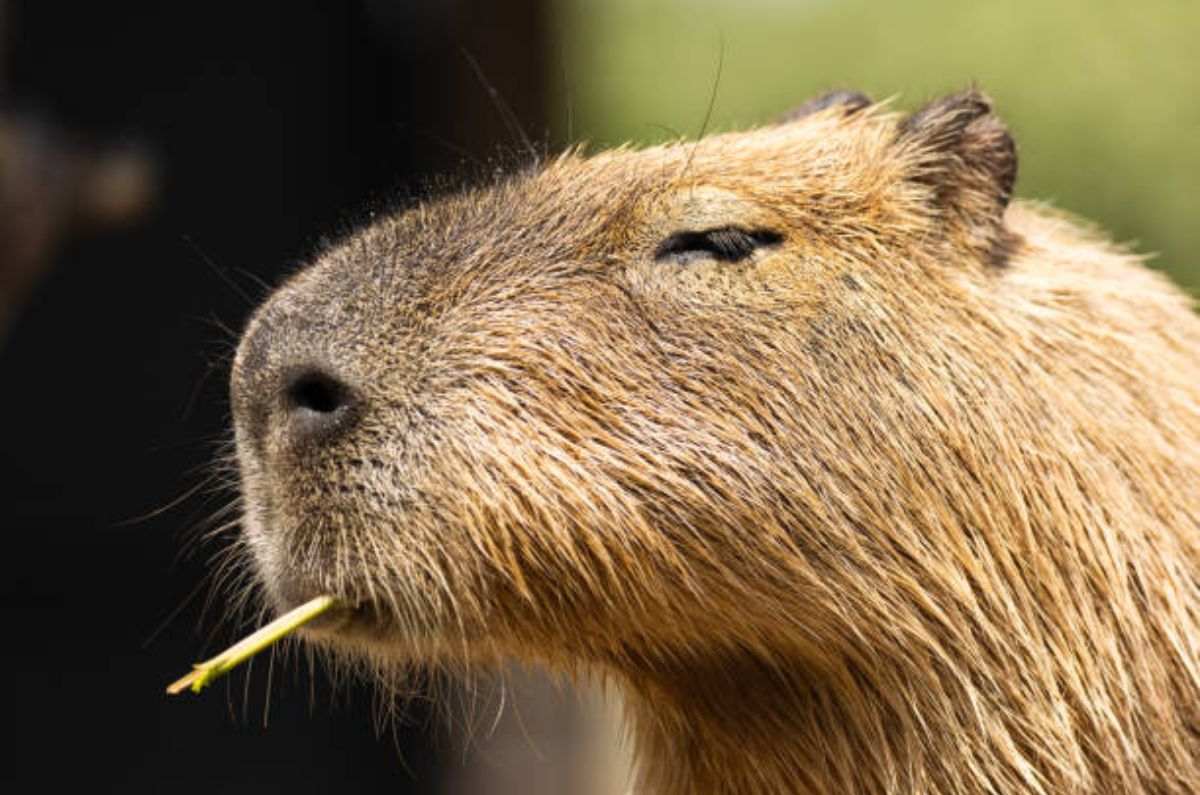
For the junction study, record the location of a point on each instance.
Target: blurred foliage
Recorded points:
(1102, 96)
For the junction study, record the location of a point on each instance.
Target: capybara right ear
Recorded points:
(850, 102)
(961, 150)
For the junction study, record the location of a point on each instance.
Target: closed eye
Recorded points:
(724, 244)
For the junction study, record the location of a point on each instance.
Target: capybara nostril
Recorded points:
(318, 405)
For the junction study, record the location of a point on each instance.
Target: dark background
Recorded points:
(272, 125)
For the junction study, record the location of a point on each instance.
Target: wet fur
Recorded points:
(905, 503)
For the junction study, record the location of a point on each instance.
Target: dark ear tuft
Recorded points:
(966, 155)
(850, 101)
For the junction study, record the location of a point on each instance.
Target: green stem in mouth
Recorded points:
(204, 673)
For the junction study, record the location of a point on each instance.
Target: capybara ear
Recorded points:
(850, 101)
(963, 152)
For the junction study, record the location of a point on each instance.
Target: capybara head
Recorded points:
(801, 433)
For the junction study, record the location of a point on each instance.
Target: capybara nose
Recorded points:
(287, 391)
(317, 405)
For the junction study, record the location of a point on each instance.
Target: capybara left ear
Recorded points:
(849, 101)
(959, 148)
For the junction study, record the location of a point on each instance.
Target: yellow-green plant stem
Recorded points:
(204, 673)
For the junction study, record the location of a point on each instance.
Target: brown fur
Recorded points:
(908, 501)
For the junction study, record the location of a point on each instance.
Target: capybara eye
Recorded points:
(724, 244)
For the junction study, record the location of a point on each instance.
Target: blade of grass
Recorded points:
(202, 674)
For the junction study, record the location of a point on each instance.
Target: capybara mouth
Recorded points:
(358, 622)
(353, 615)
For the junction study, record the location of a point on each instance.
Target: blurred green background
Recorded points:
(1103, 97)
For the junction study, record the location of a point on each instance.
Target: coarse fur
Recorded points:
(901, 498)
